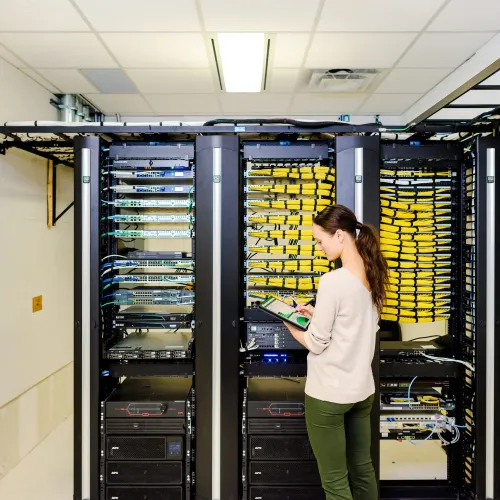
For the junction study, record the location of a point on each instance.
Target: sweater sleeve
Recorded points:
(319, 334)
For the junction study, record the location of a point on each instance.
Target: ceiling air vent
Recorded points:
(342, 80)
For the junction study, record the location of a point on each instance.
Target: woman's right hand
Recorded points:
(305, 310)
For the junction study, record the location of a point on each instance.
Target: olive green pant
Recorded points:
(340, 439)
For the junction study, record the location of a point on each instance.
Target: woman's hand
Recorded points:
(305, 310)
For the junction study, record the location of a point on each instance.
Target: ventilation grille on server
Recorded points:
(468, 340)
(144, 493)
(287, 493)
(418, 237)
(145, 426)
(276, 426)
(136, 448)
(280, 448)
(144, 473)
(286, 185)
(284, 473)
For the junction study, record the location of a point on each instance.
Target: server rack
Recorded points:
(219, 248)
(134, 310)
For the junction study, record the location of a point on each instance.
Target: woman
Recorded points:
(341, 340)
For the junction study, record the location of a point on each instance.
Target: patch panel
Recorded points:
(152, 218)
(150, 234)
(125, 188)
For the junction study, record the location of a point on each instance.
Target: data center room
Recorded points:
(161, 165)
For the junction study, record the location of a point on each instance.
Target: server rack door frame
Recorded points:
(357, 184)
(218, 309)
(86, 319)
(487, 320)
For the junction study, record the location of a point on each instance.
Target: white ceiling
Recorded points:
(164, 47)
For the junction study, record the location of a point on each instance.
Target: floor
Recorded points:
(47, 472)
(47, 475)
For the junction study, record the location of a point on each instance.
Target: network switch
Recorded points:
(152, 174)
(148, 203)
(184, 264)
(153, 296)
(151, 278)
(151, 234)
(151, 218)
(153, 189)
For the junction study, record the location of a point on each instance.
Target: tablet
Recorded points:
(287, 313)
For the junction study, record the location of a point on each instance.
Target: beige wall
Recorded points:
(36, 353)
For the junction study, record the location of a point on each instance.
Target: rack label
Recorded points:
(86, 179)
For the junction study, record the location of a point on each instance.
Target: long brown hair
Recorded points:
(337, 217)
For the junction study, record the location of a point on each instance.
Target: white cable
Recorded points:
(436, 358)
(114, 255)
(107, 271)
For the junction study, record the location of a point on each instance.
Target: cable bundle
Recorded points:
(298, 189)
(307, 250)
(292, 220)
(318, 173)
(308, 189)
(293, 265)
(308, 205)
(416, 237)
(289, 234)
(310, 283)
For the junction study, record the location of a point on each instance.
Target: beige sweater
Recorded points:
(341, 340)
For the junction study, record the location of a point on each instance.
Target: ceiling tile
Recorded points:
(355, 50)
(42, 81)
(462, 15)
(164, 50)
(443, 50)
(326, 104)
(11, 58)
(458, 113)
(259, 15)
(492, 80)
(380, 15)
(389, 103)
(254, 103)
(70, 81)
(283, 80)
(411, 81)
(183, 104)
(119, 103)
(58, 50)
(484, 97)
(172, 81)
(110, 81)
(289, 50)
(40, 15)
(149, 15)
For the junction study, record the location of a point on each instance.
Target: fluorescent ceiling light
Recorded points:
(458, 113)
(242, 59)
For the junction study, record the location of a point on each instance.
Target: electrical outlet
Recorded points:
(37, 303)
